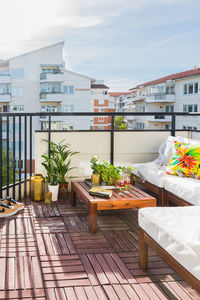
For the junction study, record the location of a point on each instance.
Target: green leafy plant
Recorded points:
(95, 165)
(51, 176)
(120, 123)
(59, 161)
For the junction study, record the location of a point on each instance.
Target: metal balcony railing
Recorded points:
(17, 142)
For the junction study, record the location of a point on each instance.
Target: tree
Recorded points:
(5, 165)
(120, 123)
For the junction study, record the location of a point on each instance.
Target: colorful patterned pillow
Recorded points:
(185, 161)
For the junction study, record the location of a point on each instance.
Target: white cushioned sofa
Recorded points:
(171, 190)
(174, 233)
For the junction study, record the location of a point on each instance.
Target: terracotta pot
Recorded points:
(63, 189)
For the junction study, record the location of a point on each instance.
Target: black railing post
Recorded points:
(25, 156)
(20, 158)
(49, 135)
(1, 179)
(7, 157)
(112, 139)
(173, 130)
(14, 162)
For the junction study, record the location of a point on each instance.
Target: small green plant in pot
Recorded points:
(95, 166)
(51, 177)
(109, 173)
(60, 156)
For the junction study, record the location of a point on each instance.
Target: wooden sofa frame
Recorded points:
(165, 198)
(145, 240)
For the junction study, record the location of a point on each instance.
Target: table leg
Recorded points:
(73, 198)
(143, 250)
(92, 218)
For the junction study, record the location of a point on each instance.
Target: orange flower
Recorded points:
(187, 161)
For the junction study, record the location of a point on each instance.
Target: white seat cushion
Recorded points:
(177, 230)
(184, 187)
(150, 172)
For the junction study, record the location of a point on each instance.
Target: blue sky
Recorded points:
(122, 42)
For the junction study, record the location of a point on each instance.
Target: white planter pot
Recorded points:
(54, 190)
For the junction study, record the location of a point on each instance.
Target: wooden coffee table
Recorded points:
(136, 198)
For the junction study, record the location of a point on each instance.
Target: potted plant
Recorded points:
(95, 166)
(109, 173)
(51, 177)
(60, 155)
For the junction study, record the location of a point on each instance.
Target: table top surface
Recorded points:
(134, 194)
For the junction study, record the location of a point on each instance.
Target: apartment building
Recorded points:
(101, 102)
(178, 92)
(38, 81)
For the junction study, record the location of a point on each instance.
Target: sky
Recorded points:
(124, 42)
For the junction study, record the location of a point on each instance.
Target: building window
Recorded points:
(67, 127)
(71, 89)
(17, 108)
(17, 91)
(4, 88)
(139, 126)
(190, 108)
(101, 102)
(169, 108)
(190, 88)
(65, 89)
(49, 108)
(17, 73)
(50, 87)
(100, 128)
(140, 108)
(68, 108)
(168, 126)
(190, 127)
(101, 119)
(91, 92)
(101, 109)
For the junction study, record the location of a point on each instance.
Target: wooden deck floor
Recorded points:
(46, 252)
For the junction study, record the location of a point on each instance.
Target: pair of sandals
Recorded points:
(9, 207)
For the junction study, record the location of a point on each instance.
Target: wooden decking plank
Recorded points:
(90, 271)
(98, 270)
(100, 292)
(110, 275)
(3, 273)
(60, 293)
(111, 292)
(10, 274)
(66, 283)
(123, 268)
(63, 245)
(69, 243)
(140, 292)
(20, 273)
(130, 292)
(80, 293)
(70, 293)
(90, 292)
(37, 274)
(23, 294)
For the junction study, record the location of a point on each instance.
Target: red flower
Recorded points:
(187, 161)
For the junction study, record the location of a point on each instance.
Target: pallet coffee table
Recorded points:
(136, 198)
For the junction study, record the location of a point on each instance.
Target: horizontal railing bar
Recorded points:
(92, 114)
(117, 130)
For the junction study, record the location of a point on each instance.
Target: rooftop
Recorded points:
(176, 76)
(117, 94)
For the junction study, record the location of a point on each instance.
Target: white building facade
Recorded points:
(174, 93)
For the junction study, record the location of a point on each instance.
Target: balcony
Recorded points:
(161, 97)
(5, 97)
(46, 251)
(161, 118)
(51, 96)
(52, 77)
(5, 78)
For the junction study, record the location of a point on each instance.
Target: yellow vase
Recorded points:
(95, 179)
(37, 187)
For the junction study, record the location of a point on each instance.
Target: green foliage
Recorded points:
(123, 126)
(5, 166)
(95, 165)
(120, 123)
(109, 173)
(58, 163)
